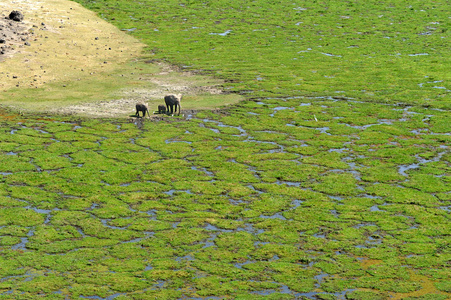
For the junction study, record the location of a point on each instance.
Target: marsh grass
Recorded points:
(277, 198)
(384, 53)
(219, 207)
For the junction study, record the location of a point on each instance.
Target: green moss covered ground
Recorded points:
(262, 200)
(340, 189)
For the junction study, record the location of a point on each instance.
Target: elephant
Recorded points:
(161, 109)
(140, 107)
(172, 100)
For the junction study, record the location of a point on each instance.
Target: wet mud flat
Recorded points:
(292, 198)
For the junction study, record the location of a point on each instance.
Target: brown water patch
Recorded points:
(4, 115)
(366, 263)
(428, 288)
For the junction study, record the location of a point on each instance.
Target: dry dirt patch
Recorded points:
(77, 63)
(13, 34)
(66, 42)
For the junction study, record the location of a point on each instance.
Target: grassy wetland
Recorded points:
(331, 181)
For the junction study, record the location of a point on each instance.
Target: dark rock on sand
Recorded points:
(16, 15)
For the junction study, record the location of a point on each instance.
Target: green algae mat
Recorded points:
(295, 198)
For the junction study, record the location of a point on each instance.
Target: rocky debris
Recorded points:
(16, 15)
(14, 34)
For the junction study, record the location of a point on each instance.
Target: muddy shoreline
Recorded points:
(65, 60)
